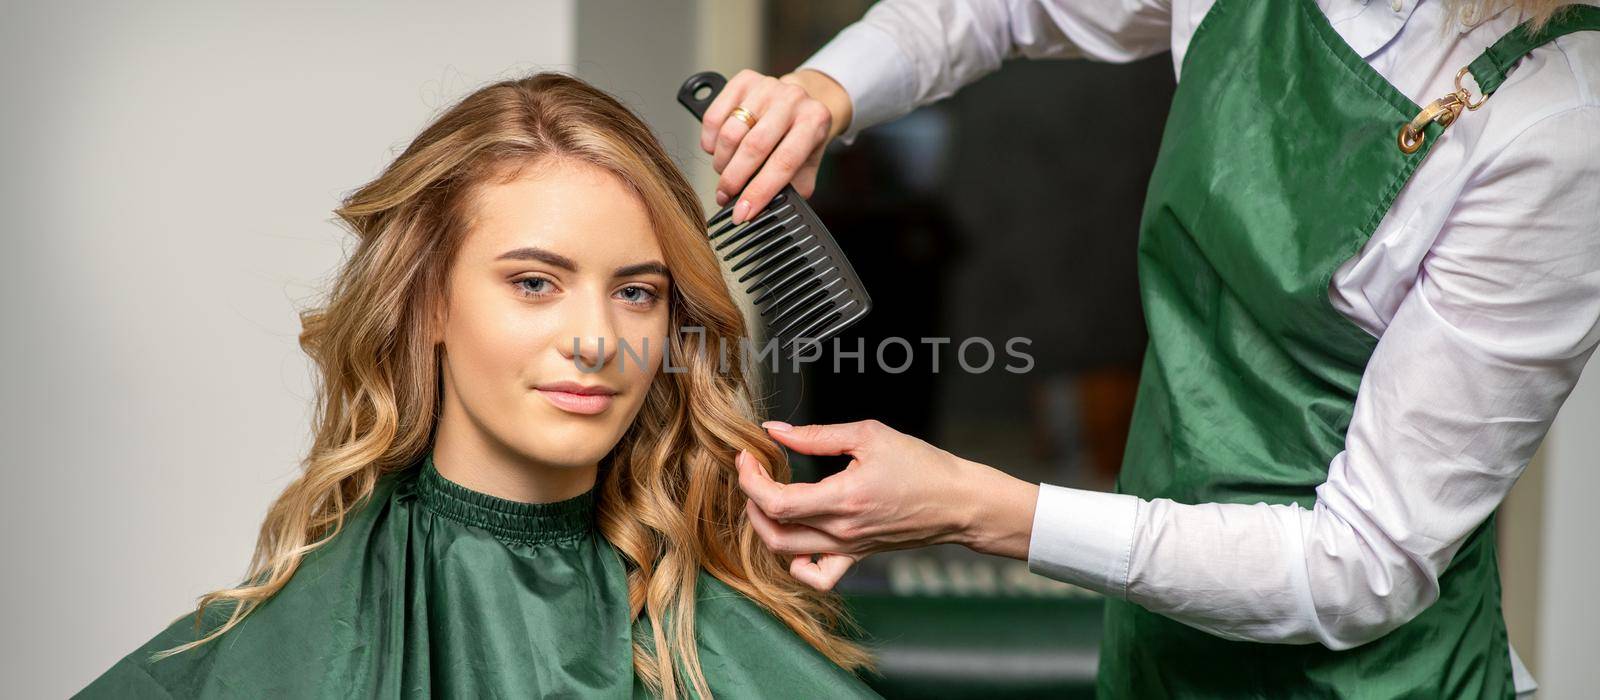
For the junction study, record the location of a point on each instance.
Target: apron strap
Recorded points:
(1490, 69)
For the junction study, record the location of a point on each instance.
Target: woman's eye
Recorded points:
(533, 286)
(636, 295)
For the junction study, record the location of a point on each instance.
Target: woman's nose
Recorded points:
(589, 335)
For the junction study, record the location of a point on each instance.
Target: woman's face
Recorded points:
(557, 269)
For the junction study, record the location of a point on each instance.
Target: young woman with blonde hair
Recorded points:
(497, 502)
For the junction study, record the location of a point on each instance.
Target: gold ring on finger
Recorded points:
(744, 115)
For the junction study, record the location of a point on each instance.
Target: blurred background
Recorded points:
(170, 174)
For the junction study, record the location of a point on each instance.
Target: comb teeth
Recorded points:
(796, 277)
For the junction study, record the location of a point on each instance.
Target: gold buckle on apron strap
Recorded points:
(1444, 110)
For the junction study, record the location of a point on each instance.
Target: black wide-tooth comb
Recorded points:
(783, 257)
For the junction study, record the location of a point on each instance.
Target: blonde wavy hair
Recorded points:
(1538, 12)
(668, 500)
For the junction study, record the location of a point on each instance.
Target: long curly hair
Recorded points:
(668, 499)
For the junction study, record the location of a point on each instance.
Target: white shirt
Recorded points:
(1482, 285)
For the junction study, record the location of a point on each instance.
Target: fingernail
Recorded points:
(741, 210)
(777, 425)
(722, 198)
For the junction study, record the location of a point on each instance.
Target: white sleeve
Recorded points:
(1460, 391)
(907, 53)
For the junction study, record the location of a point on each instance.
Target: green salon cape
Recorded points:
(435, 590)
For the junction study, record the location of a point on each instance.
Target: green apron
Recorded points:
(1281, 155)
(435, 590)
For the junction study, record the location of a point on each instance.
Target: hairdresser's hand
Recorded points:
(899, 492)
(795, 117)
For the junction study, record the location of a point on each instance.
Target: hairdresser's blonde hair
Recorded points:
(1538, 12)
(668, 498)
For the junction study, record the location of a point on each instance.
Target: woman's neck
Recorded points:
(486, 465)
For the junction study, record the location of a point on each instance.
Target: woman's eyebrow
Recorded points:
(530, 253)
(541, 255)
(646, 268)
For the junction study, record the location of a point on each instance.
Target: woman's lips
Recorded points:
(574, 398)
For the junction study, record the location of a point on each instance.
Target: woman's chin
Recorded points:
(566, 441)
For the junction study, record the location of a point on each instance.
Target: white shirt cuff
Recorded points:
(1084, 538)
(873, 71)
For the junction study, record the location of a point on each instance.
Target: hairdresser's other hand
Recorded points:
(897, 493)
(795, 117)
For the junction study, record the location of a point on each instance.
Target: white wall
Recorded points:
(1569, 612)
(169, 175)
